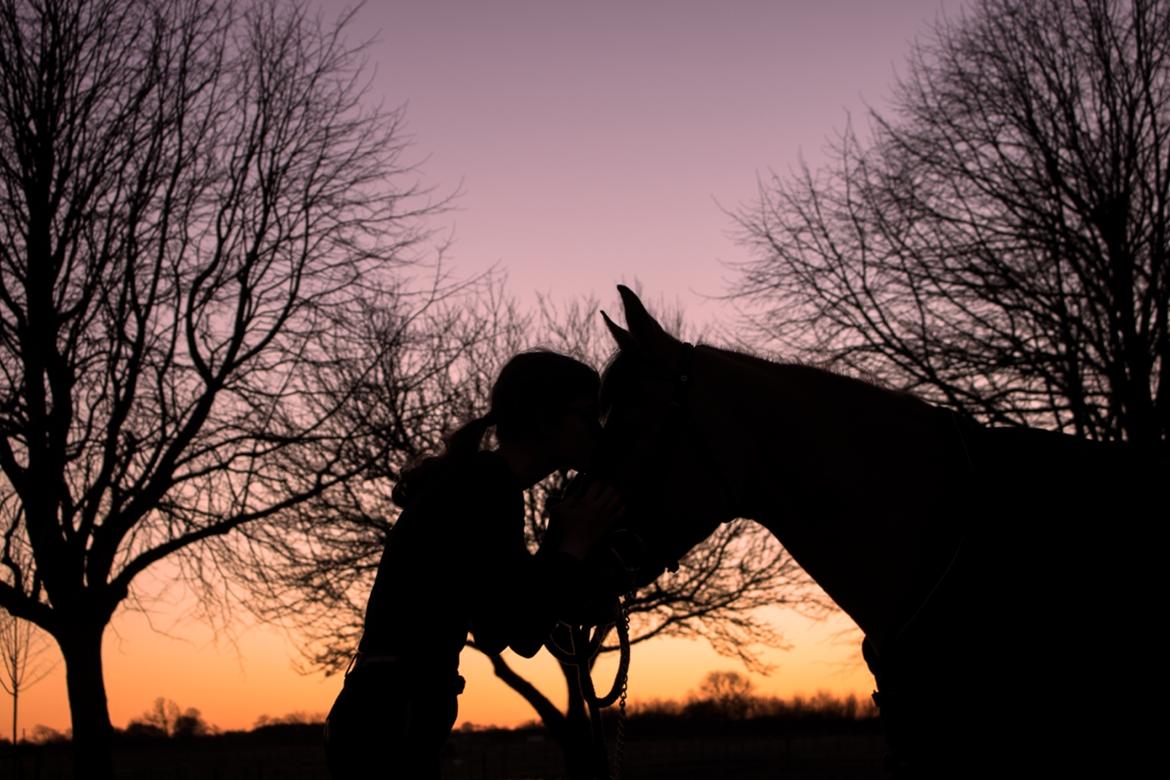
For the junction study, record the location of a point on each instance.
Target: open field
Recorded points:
(518, 755)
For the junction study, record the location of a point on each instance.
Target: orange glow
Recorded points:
(234, 682)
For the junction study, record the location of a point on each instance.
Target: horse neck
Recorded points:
(815, 427)
(834, 467)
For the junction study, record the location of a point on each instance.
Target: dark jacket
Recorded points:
(456, 561)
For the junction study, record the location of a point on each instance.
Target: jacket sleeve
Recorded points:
(515, 594)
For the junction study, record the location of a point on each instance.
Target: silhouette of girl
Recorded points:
(456, 561)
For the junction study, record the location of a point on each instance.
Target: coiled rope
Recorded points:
(583, 649)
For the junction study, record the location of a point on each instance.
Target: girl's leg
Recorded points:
(380, 727)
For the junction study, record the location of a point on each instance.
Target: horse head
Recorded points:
(656, 451)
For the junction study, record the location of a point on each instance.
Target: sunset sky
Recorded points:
(591, 143)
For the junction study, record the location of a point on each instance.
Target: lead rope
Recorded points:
(620, 736)
(580, 655)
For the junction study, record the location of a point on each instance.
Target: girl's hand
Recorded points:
(584, 515)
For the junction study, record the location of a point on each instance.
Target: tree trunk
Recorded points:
(584, 758)
(92, 732)
(571, 730)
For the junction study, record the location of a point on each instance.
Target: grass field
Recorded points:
(515, 755)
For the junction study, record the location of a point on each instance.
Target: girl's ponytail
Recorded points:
(460, 446)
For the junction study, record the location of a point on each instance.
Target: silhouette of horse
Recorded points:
(1003, 578)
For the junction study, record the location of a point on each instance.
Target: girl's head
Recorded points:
(545, 399)
(543, 406)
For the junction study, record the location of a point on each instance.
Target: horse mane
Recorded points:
(620, 372)
(768, 364)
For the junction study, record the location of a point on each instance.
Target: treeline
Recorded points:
(166, 720)
(752, 714)
(821, 706)
(725, 703)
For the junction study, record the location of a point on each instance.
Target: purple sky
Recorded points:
(595, 141)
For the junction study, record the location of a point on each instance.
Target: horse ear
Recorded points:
(624, 339)
(643, 327)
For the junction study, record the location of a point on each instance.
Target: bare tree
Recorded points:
(199, 216)
(160, 718)
(166, 719)
(313, 572)
(23, 661)
(1000, 244)
(729, 694)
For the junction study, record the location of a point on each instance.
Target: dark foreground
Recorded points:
(511, 755)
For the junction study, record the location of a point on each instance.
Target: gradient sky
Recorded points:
(593, 143)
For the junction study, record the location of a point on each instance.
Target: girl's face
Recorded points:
(576, 433)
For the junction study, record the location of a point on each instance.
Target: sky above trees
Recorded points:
(596, 143)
